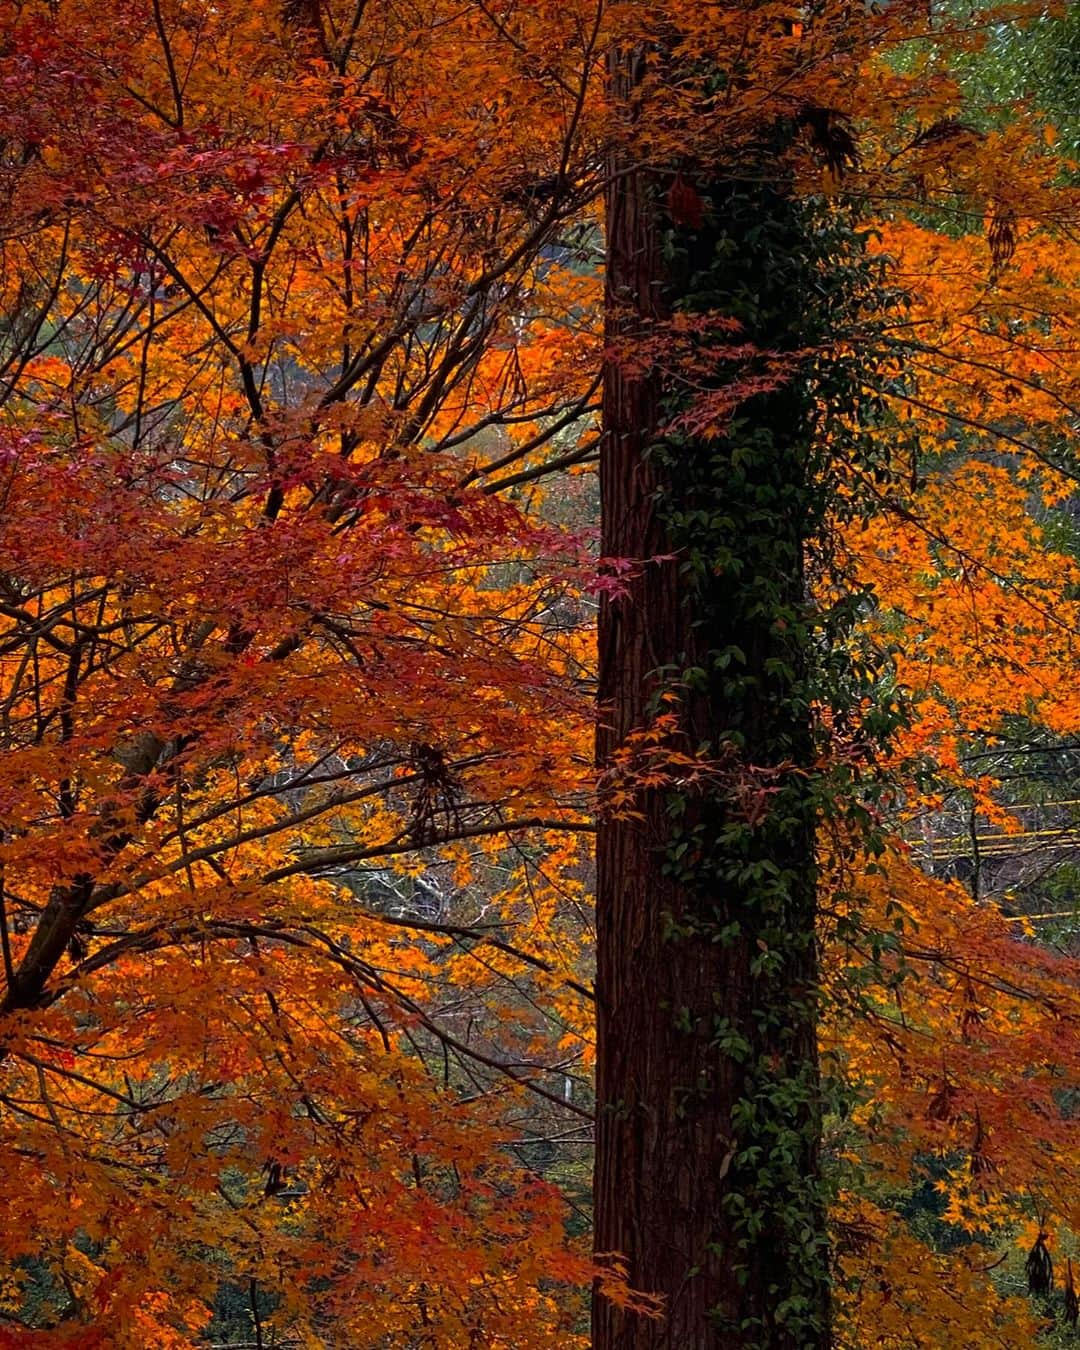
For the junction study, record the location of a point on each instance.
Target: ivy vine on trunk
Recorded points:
(726, 441)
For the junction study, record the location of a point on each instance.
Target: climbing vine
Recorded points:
(767, 439)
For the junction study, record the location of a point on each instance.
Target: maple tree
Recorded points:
(967, 1104)
(271, 638)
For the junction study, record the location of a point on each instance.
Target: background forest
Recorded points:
(304, 335)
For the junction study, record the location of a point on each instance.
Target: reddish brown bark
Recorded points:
(666, 1144)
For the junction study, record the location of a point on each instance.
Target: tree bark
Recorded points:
(708, 1114)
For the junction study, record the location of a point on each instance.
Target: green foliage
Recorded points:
(1037, 64)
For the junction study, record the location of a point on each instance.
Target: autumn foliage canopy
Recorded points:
(301, 334)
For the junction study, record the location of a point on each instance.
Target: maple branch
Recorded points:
(977, 564)
(319, 860)
(1003, 371)
(483, 934)
(978, 425)
(303, 934)
(565, 416)
(170, 934)
(62, 1071)
(366, 973)
(584, 454)
(26, 348)
(5, 934)
(308, 778)
(170, 66)
(520, 46)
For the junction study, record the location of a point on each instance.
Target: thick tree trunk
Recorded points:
(708, 1111)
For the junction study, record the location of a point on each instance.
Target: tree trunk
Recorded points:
(708, 1088)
